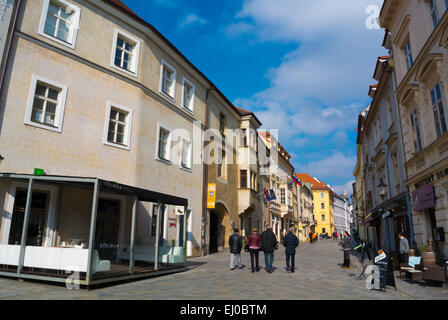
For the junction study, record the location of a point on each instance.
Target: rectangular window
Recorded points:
(221, 161)
(46, 100)
(222, 123)
(243, 178)
(433, 12)
(322, 205)
(164, 144)
(323, 217)
(118, 124)
(125, 52)
(46, 104)
(188, 95)
(416, 134)
(186, 154)
(439, 110)
(168, 75)
(243, 138)
(408, 54)
(60, 22)
(282, 196)
(322, 195)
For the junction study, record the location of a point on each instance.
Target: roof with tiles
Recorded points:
(315, 184)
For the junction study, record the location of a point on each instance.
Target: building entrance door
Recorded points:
(107, 226)
(214, 232)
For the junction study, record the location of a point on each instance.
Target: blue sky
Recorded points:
(302, 66)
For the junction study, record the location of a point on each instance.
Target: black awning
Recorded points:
(141, 194)
(104, 185)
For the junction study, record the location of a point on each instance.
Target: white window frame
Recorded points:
(135, 54)
(74, 27)
(408, 54)
(417, 138)
(190, 154)
(193, 88)
(128, 129)
(283, 196)
(433, 13)
(162, 66)
(169, 144)
(60, 109)
(436, 105)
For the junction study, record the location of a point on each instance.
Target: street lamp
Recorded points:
(383, 188)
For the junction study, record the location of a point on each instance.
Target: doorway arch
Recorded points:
(219, 228)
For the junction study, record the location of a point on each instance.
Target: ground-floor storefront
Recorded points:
(429, 192)
(382, 226)
(94, 230)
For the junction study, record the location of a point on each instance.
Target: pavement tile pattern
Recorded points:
(318, 276)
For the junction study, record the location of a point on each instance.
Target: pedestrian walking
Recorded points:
(235, 245)
(269, 244)
(347, 245)
(311, 237)
(290, 242)
(314, 236)
(404, 248)
(254, 242)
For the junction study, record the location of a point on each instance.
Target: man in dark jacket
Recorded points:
(235, 245)
(290, 242)
(269, 244)
(347, 245)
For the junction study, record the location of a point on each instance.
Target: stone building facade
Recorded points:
(417, 35)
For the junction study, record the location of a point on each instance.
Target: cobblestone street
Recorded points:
(318, 276)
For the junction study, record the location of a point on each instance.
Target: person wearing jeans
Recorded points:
(235, 245)
(254, 248)
(290, 242)
(269, 244)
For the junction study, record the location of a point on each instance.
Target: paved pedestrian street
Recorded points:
(318, 276)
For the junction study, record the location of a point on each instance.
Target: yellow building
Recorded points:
(323, 204)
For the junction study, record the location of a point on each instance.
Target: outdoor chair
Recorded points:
(436, 273)
(414, 269)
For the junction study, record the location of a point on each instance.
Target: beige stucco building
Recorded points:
(305, 210)
(418, 39)
(133, 111)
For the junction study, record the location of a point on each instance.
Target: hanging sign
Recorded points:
(211, 195)
(381, 255)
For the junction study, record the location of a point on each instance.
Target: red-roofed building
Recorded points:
(323, 203)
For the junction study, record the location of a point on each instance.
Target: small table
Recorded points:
(416, 275)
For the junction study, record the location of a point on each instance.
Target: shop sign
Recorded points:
(430, 179)
(442, 173)
(385, 215)
(211, 195)
(423, 199)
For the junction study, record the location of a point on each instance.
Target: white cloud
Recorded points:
(318, 89)
(347, 187)
(335, 166)
(192, 19)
